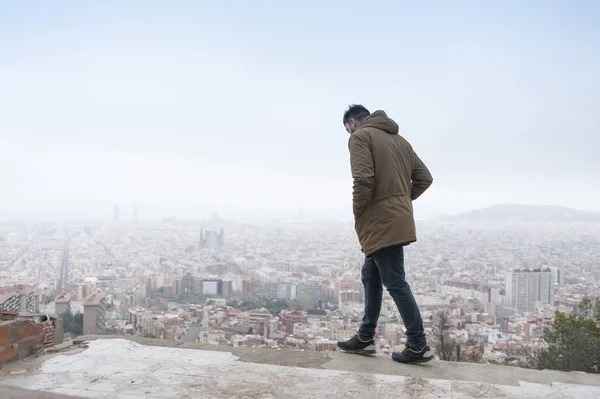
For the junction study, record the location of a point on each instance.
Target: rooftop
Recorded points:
(8, 292)
(95, 298)
(145, 368)
(63, 297)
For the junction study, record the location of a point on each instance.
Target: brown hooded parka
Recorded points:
(388, 176)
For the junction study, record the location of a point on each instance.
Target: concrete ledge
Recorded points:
(476, 372)
(381, 364)
(251, 355)
(127, 369)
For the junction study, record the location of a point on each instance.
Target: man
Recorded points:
(388, 176)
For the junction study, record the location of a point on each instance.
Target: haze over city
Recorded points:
(288, 185)
(199, 107)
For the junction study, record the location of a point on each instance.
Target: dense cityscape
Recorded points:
(296, 283)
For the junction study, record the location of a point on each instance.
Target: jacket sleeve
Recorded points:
(421, 179)
(363, 172)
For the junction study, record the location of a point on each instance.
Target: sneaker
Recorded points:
(357, 346)
(413, 356)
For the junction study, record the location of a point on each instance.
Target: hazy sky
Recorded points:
(189, 107)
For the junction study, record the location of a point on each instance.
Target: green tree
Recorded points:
(72, 323)
(295, 305)
(572, 343)
(305, 300)
(585, 308)
(597, 311)
(78, 323)
(275, 307)
(445, 344)
(234, 303)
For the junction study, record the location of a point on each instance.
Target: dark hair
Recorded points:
(357, 112)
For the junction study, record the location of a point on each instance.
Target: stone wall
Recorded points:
(20, 338)
(48, 328)
(23, 335)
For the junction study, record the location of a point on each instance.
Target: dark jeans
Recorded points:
(386, 268)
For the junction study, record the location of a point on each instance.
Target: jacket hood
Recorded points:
(379, 120)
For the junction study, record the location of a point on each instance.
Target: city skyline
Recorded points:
(298, 285)
(493, 213)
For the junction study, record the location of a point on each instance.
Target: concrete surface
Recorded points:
(7, 392)
(454, 371)
(251, 355)
(119, 368)
(382, 364)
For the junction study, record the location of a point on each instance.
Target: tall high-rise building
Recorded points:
(116, 213)
(221, 238)
(188, 285)
(556, 275)
(210, 239)
(496, 297)
(526, 287)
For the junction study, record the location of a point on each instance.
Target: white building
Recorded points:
(556, 275)
(210, 287)
(526, 287)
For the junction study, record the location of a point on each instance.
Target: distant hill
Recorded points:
(528, 213)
